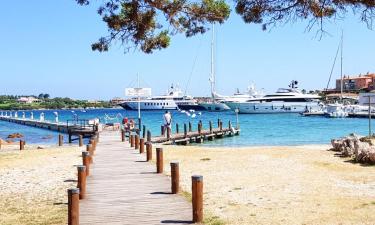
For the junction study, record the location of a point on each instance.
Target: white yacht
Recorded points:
(285, 100)
(173, 100)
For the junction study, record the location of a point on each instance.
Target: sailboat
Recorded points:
(216, 103)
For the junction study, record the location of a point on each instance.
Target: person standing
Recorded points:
(167, 121)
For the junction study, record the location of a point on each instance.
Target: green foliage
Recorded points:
(148, 25)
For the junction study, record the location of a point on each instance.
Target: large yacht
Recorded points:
(285, 100)
(173, 100)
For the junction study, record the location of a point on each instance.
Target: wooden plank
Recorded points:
(123, 189)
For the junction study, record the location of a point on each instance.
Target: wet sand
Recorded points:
(279, 185)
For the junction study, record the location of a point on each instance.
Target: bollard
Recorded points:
(93, 143)
(177, 131)
(175, 177)
(199, 128)
(91, 152)
(81, 184)
(162, 130)
(230, 125)
(86, 162)
(61, 140)
(210, 127)
(197, 198)
(144, 131)
(141, 145)
(22, 145)
(70, 138)
(168, 133)
(159, 160)
(190, 129)
(136, 142)
(148, 151)
(122, 135)
(185, 131)
(97, 137)
(149, 136)
(221, 126)
(73, 206)
(80, 140)
(132, 140)
(218, 122)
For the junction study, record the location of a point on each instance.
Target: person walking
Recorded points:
(167, 117)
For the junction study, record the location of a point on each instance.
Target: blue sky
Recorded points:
(45, 48)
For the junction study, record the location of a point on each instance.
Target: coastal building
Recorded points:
(28, 100)
(116, 101)
(356, 83)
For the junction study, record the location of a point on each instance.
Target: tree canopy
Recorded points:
(149, 24)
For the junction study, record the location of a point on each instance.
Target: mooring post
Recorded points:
(61, 140)
(141, 145)
(80, 140)
(86, 162)
(143, 131)
(199, 128)
(122, 135)
(73, 206)
(136, 142)
(132, 140)
(221, 126)
(218, 122)
(168, 133)
(197, 198)
(162, 130)
(90, 150)
(210, 126)
(230, 125)
(148, 151)
(81, 184)
(175, 177)
(190, 129)
(139, 125)
(148, 136)
(22, 145)
(159, 160)
(97, 137)
(185, 131)
(70, 138)
(177, 131)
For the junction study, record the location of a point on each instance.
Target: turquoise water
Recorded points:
(257, 129)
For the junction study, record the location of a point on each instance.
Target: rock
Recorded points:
(15, 135)
(39, 147)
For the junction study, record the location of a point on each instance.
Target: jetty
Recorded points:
(123, 188)
(71, 127)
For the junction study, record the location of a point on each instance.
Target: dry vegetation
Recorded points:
(279, 185)
(33, 185)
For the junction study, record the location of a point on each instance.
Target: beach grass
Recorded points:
(277, 185)
(34, 183)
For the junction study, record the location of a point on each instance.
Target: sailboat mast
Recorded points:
(212, 78)
(342, 81)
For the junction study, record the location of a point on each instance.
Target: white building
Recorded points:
(28, 100)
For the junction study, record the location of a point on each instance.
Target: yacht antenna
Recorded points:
(212, 78)
(342, 82)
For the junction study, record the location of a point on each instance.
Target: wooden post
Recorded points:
(199, 128)
(73, 206)
(230, 125)
(159, 160)
(218, 122)
(136, 142)
(93, 143)
(86, 162)
(221, 126)
(132, 141)
(175, 177)
(197, 198)
(210, 127)
(190, 129)
(144, 131)
(22, 145)
(81, 184)
(162, 130)
(61, 140)
(139, 124)
(168, 133)
(70, 138)
(148, 151)
(148, 136)
(122, 135)
(141, 145)
(177, 131)
(97, 137)
(80, 140)
(90, 150)
(185, 131)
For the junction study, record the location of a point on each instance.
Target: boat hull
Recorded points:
(214, 106)
(154, 105)
(269, 108)
(189, 107)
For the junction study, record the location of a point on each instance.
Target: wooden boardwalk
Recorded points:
(124, 189)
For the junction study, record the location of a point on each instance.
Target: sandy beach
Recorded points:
(34, 183)
(278, 185)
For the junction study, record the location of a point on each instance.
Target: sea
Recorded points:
(256, 129)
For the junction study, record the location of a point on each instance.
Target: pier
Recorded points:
(71, 127)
